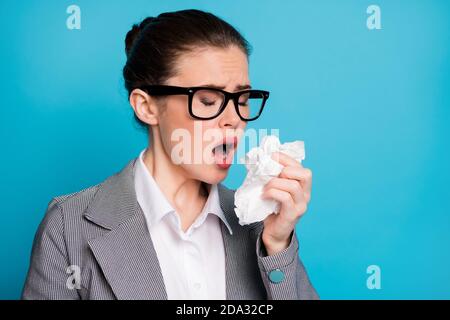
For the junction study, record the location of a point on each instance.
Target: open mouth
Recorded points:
(223, 153)
(223, 149)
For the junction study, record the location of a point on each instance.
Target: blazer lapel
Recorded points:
(234, 280)
(242, 274)
(125, 253)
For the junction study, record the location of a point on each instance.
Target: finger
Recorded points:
(286, 202)
(285, 160)
(303, 175)
(289, 185)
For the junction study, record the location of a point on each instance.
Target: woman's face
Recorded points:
(192, 143)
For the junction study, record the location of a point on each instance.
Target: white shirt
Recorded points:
(192, 262)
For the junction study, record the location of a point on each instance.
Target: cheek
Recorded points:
(174, 123)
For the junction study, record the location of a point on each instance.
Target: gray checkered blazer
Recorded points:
(102, 231)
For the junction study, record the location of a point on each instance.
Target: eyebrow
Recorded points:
(238, 87)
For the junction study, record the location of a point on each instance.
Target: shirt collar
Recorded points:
(155, 205)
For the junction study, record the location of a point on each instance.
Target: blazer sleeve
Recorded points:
(47, 277)
(296, 284)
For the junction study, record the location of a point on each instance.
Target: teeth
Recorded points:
(223, 148)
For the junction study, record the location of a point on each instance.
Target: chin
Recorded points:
(210, 174)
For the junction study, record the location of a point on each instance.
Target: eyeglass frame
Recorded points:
(167, 90)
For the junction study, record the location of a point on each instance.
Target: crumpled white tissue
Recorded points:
(249, 206)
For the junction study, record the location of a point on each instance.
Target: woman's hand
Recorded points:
(292, 188)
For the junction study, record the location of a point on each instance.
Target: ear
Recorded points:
(144, 107)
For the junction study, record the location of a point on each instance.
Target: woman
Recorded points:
(163, 228)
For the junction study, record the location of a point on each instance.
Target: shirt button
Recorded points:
(276, 276)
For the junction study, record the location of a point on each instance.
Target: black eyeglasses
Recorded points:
(205, 103)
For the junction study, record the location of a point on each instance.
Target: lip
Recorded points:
(233, 141)
(230, 140)
(224, 165)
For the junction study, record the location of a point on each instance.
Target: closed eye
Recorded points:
(243, 103)
(208, 103)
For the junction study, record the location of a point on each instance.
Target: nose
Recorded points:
(229, 117)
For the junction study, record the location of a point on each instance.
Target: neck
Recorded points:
(174, 183)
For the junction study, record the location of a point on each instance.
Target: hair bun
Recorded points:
(146, 21)
(133, 34)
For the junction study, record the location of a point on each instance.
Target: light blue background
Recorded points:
(371, 106)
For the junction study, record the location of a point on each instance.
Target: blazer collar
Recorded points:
(115, 200)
